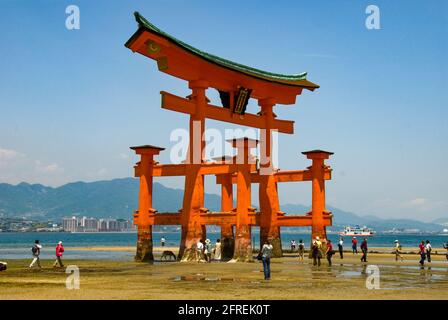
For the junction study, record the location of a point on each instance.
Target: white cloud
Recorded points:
(52, 168)
(123, 156)
(417, 202)
(8, 155)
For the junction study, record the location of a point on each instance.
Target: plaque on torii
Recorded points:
(235, 83)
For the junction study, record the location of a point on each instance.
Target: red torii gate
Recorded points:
(235, 83)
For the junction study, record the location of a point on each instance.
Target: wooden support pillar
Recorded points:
(243, 240)
(268, 195)
(228, 241)
(227, 236)
(192, 230)
(145, 209)
(318, 192)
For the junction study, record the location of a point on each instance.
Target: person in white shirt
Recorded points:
(428, 249)
(199, 251)
(36, 253)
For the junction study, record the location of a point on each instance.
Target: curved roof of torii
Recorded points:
(297, 80)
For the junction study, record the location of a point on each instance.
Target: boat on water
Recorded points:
(357, 231)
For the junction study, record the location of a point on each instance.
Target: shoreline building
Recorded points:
(86, 224)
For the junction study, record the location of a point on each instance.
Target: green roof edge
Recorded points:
(145, 24)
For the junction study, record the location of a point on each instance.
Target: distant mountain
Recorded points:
(441, 221)
(118, 198)
(343, 218)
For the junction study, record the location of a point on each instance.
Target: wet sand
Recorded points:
(291, 279)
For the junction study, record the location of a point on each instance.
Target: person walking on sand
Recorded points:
(301, 249)
(162, 241)
(422, 253)
(354, 245)
(329, 253)
(59, 252)
(428, 249)
(35, 250)
(217, 250)
(364, 250)
(316, 251)
(208, 250)
(398, 251)
(341, 247)
(266, 254)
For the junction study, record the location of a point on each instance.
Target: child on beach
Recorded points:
(398, 251)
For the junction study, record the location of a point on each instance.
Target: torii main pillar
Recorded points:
(145, 209)
(193, 202)
(268, 194)
(318, 208)
(243, 240)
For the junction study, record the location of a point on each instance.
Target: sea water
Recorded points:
(18, 245)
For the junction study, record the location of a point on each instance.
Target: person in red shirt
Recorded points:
(329, 253)
(354, 245)
(59, 252)
(364, 250)
(422, 253)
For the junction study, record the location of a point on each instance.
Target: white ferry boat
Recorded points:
(357, 231)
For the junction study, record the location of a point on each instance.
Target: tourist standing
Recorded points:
(364, 250)
(341, 247)
(354, 245)
(398, 251)
(217, 250)
(266, 254)
(162, 241)
(329, 253)
(316, 251)
(199, 250)
(36, 253)
(428, 249)
(293, 245)
(59, 252)
(301, 249)
(208, 250)
(422, 253)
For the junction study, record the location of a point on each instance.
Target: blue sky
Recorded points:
(73, 101)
